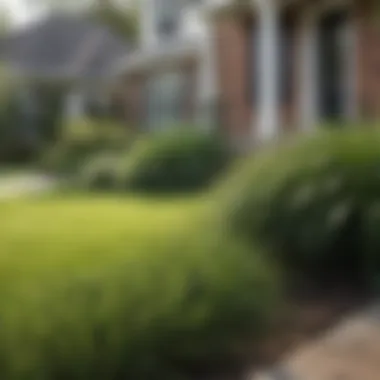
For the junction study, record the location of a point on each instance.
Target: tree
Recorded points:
(122, 19)
(120, 15)
(5, 21)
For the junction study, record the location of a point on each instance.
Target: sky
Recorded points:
(19, 11)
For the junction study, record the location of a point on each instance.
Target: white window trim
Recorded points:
(267, 125)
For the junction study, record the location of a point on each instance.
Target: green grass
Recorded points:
(16, 169)
(50, 237)
(9, 172)
(113, 288)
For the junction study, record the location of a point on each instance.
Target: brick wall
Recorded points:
(134, 93)
(232, 59)
(235, 66)
(133, 99)
(368, 59)
(189, 70)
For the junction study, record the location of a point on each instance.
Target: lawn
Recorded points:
(108, 288)
(51, 237)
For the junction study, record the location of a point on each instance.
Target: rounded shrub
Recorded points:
(315, 201)
(17, 145)
(99, 172)
(124, 290)
(177, 160)
(66, 158)
(81, 140)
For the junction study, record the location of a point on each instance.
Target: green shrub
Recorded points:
(16, 144)
(81, 140)
(118, 289)
(178, 160)
(99, 172)
(51, 113)
(315, 202)
(66, 158)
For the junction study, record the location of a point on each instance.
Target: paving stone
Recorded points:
(349, 351)
(20, 185)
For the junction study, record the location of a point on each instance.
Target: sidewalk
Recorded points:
(20, 184)
(349, 351)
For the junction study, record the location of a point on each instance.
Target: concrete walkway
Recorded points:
(349, 351)
(22, 184)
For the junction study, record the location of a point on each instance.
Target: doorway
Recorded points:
(332, 66)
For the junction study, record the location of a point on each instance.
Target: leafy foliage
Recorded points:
(314, 202)
(124, 21)
(178, 160)
(82, 140)
(100, 172)
(15, 143)
(120, 16)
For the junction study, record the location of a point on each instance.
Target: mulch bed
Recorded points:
(306, 316)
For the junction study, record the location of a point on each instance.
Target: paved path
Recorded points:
(16, 185)
(349, 351)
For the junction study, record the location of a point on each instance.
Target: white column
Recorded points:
(308, 80)
(268, 73)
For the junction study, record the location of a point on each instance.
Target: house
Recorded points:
(171, 77)
(255, 69)
(69, 54)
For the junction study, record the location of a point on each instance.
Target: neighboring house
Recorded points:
(66, 51)
(171, 78)
(256, 68)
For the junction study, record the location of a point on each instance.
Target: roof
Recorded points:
(64, 46)
(163, 55)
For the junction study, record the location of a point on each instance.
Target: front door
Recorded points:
(332, 63)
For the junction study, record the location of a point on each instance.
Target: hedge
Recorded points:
(314, 201)
(110, 288)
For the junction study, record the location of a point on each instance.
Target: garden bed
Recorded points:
(304, 320)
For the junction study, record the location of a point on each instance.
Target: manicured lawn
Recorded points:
(47, 241)
(114, 288)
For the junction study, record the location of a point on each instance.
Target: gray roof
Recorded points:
(63, 46)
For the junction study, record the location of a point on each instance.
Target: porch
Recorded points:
(168, 84)
(291, 65)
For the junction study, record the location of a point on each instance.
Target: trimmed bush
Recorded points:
(17, 144)
(99, 172)
(118, 289)
(315, 201)
(80, 141)
(178, 160)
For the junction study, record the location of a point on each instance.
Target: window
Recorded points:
(165, 98)
(167, 16)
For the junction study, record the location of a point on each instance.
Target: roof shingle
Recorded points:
(63, 45)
